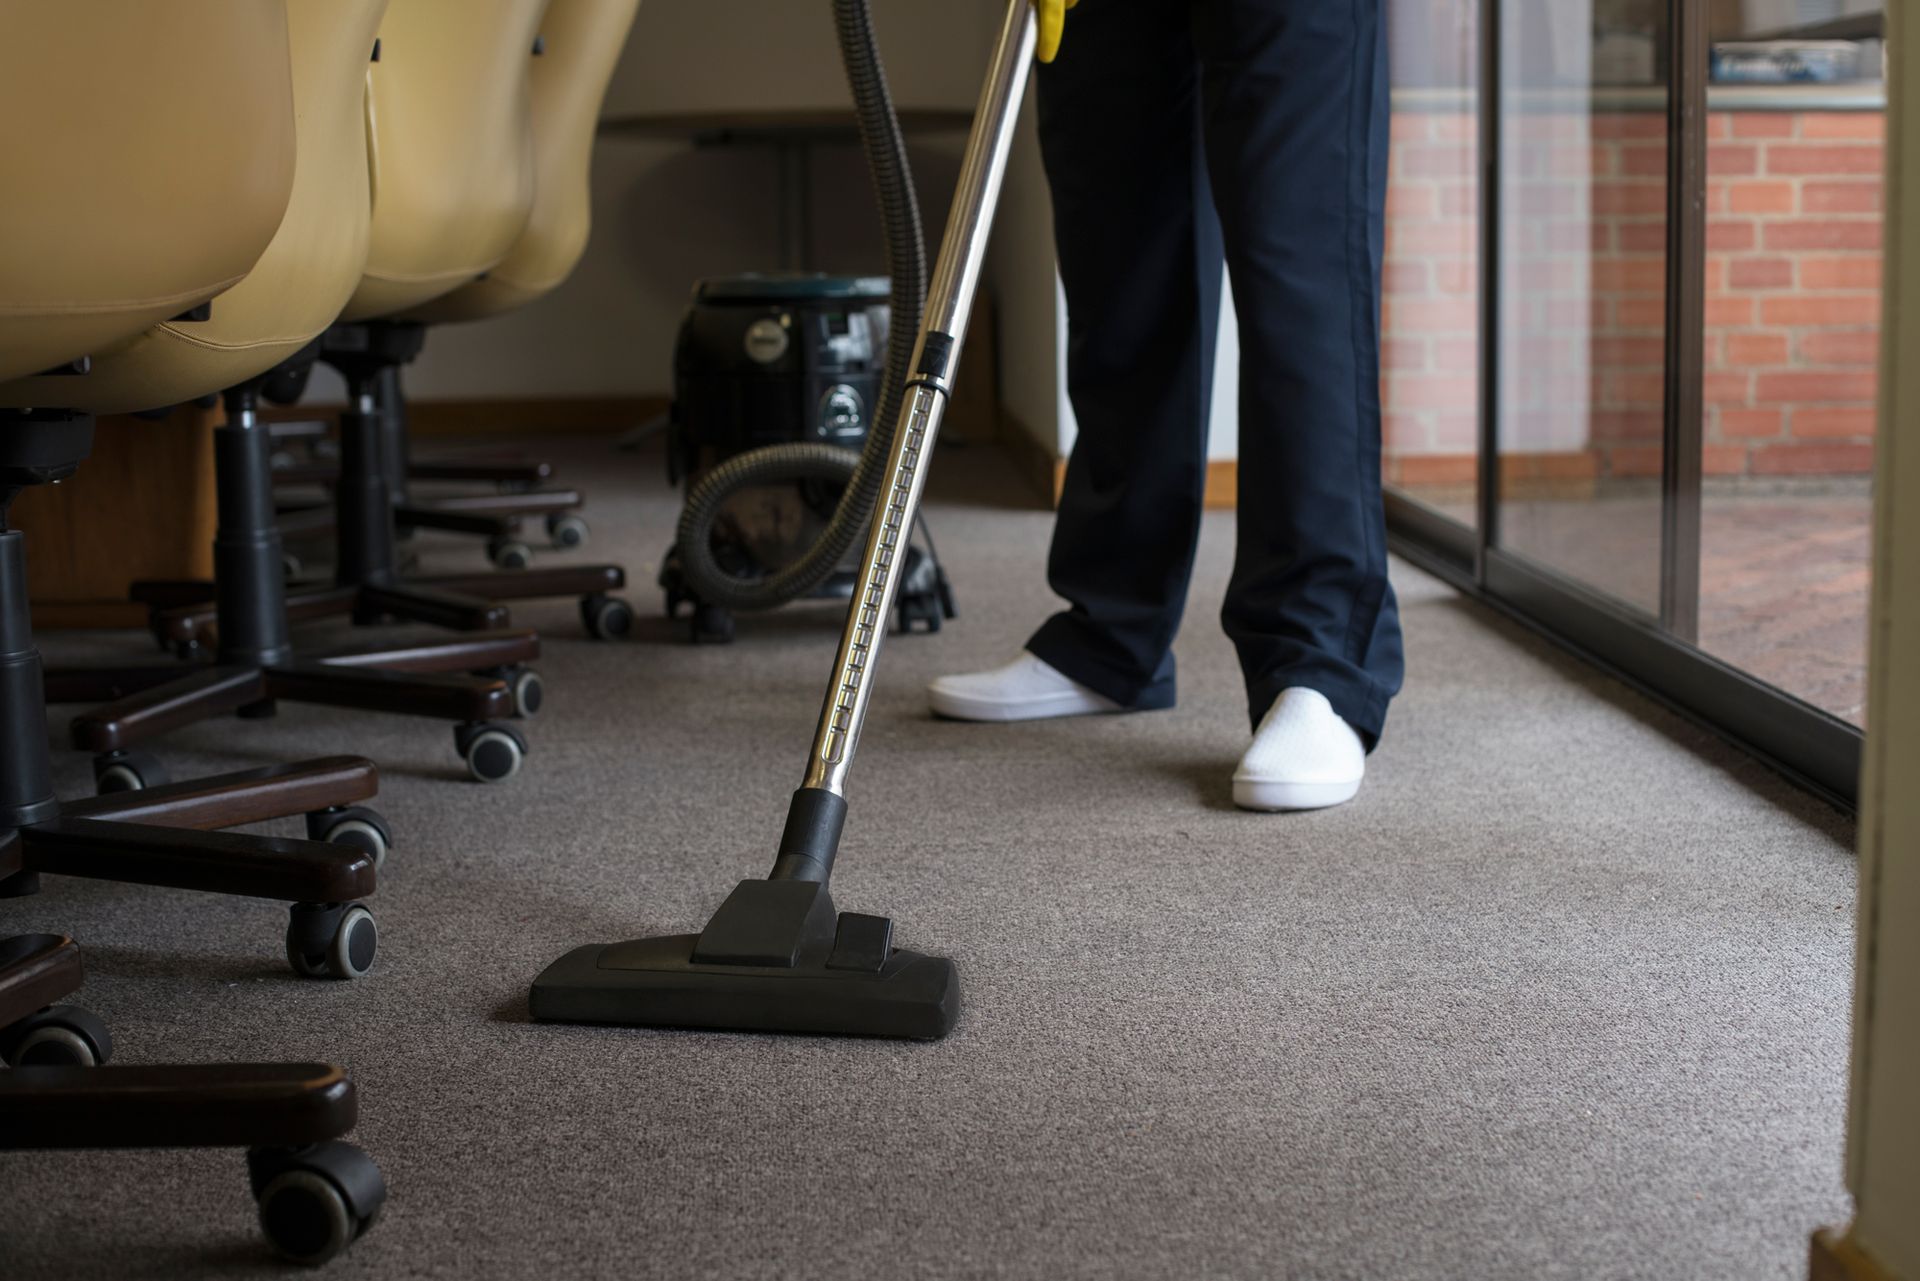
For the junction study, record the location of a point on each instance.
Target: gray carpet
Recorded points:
(1563, 994)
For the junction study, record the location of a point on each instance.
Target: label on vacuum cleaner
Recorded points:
(767, 339)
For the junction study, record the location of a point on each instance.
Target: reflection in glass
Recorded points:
(1430, 347)
(1795, 129)
(1583, 207)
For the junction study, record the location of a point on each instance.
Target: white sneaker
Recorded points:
(1303, 757)
(1024, 690)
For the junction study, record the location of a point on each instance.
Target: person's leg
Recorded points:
(1295, 105)
(1140, 259)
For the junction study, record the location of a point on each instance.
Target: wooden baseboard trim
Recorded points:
(1030, 458)
(1555, 477)
(1833, 1255)
(1222, 492)
(564, 415)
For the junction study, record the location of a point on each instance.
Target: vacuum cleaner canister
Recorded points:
(773, 359)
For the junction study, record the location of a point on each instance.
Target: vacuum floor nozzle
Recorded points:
(776, 957)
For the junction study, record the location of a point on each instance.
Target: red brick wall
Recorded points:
(1793, 269)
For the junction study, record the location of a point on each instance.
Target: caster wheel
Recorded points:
(492, 752)
(316, 1201)
(925, 595)
(711, 625)
(58, 1036)
(943, 588)
(509, 553)
(127, 772)
(673, 582)
(606, 617)
(919, 612)
(566, 529)
(353, 825)
(529, 691)
(674, 593)
(331, 940)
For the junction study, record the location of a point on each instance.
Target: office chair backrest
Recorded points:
(146, 157)
(452, 152)
(312, 266)
(581, 41)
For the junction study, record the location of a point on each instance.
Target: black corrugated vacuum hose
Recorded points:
(783, 464)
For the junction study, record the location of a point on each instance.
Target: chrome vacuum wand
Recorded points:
(776, 956)
(956, 278)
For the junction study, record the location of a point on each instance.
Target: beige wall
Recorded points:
(1021, 277)
(666, 215)
(1883, 1141)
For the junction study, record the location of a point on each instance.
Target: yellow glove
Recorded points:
(1053, 17)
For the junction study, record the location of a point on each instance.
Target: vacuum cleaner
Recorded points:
(776, 382)
(764, 361)
(777, 956)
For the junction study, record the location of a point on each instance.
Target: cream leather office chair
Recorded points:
(312, 268)
(234, 117)
(148, 152)
(428, 243)
(76, 271)
(297, 285)
(452, 148)
(581, 42)
(451, 155)
(464, 197)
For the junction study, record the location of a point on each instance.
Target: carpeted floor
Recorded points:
(1565, 993)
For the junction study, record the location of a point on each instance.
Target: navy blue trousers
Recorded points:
(1178, 136)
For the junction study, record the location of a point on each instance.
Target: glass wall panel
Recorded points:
(1748, 558)
(1795, 126)
(1430, 352)
(1583, 211)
